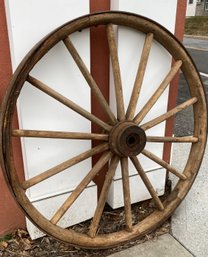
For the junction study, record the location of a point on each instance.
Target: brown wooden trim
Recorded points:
(10, 215)
(5, 62)
(100, 72)
(173, 91)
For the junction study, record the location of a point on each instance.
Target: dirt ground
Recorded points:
(197, 25)
(20, 244)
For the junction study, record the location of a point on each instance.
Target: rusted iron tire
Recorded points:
(124, 138)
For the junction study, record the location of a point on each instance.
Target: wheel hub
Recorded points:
(127, 139)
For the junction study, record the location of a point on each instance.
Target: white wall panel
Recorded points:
(28, 22)
(161, 11)
(191, 8)
(130, 45)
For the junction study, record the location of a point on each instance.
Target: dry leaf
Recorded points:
(3, 244)
(26, 244)
(21, 233)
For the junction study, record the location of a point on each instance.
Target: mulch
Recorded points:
(20, 244)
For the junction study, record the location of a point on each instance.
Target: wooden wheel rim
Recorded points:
(200, 115)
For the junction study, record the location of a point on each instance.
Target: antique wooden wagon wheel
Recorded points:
(124, 138)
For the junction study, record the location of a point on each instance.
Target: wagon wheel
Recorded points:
(125, 135)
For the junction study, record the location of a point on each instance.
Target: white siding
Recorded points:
(28, 22)
(191, 8)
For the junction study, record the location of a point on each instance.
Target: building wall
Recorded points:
(10, 215)
(200, 9)
(191, 7)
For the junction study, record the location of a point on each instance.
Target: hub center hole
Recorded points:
(132, 140)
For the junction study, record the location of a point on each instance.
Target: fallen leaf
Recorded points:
(3, 244)
(22, 233)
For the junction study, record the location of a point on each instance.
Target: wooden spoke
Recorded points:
(79, 189)
(60, 167)
(139, 77)
(102, 199)
(147, 183)
(62, 99)
(172, 139)
(91, 82)
(168, 114)
(164, 164)
(58, 134)
(147, 107)
(116, 72)
(126, 193)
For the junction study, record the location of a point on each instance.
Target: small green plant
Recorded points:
(6, 238)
